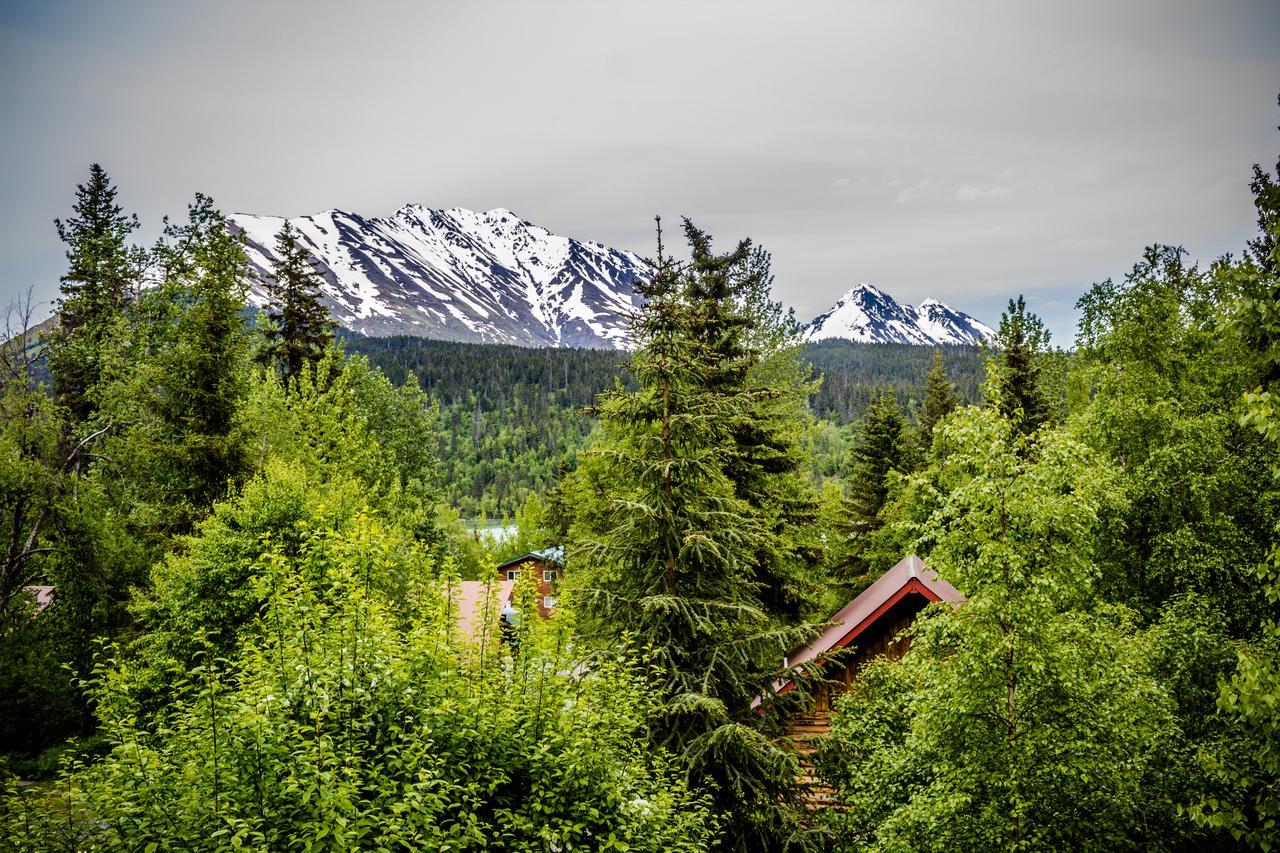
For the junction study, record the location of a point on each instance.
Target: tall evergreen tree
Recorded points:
(754, 348)
(200, 373)
(301, 329)
(881, 447)
(1021, 339)
(101, 271)
(667, 550)
(939, 400)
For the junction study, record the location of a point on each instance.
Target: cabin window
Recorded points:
(513, 574)
(548, 601)
(548, 574)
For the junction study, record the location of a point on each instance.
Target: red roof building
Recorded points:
(479, 603)
(867, 627)
(544, 567)
(872, 621)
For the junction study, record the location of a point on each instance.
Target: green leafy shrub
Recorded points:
(338, 723)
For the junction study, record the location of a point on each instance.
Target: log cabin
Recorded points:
(544, 567)
(867, 627)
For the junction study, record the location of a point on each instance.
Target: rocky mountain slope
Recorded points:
(870, 315)
(460, 275)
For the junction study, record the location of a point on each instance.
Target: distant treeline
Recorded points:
(852, 373)
(512, 417)
(489, 375)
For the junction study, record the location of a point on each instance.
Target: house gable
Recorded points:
(867, 627)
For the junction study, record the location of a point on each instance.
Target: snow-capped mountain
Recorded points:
(492, 277)
(866, 313)
(460, 275)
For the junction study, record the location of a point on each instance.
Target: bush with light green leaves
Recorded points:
(1029, 717)
(338, 722)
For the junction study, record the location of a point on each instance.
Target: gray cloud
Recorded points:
(967, 151)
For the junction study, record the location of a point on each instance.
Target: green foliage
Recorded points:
(201, 596)
(336, 726)
(939, 400)
(197, 377)
(666, 547)
(352, 419)
(881, 448)
(533, 532)
(512, 418)
(1165, 387)
(299, 330)
(854, 374)
(1022, 338)
(102, 274)
(756, 347)
(59, 531)
(33, 479)
(1249, 700)
(1027, 718)
(255, 636)
(326, 453)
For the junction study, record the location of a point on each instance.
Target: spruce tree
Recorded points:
(667, 549)
(201, 369)
(1021, 339)
(300, 329)
(881, 447)
(101, 272)
(754, 349)
(939, 400)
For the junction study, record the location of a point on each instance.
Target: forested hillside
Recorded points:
(512, 418)
(854, 373)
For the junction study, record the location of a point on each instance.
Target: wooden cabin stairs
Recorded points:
(802, 731)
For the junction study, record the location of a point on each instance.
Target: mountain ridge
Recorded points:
(869, 315)
(492, 277)
(457, 274)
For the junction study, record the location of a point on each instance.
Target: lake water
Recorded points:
(494, 530)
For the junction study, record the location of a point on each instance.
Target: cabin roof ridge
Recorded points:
(910, 575)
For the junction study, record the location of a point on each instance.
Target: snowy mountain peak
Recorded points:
(866, 313)
(492, 277)
(459, 275)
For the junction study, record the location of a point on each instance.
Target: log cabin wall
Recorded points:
(545, 575)
(877, 640)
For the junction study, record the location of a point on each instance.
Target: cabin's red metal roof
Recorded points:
(908, 576)
(856, 616)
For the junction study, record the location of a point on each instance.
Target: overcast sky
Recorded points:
(966, 151)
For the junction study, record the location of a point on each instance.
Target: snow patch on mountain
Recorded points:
(492, 277)
(457, 274)
(866, 313)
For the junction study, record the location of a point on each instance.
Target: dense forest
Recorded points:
(512, 419)
(227, 597)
